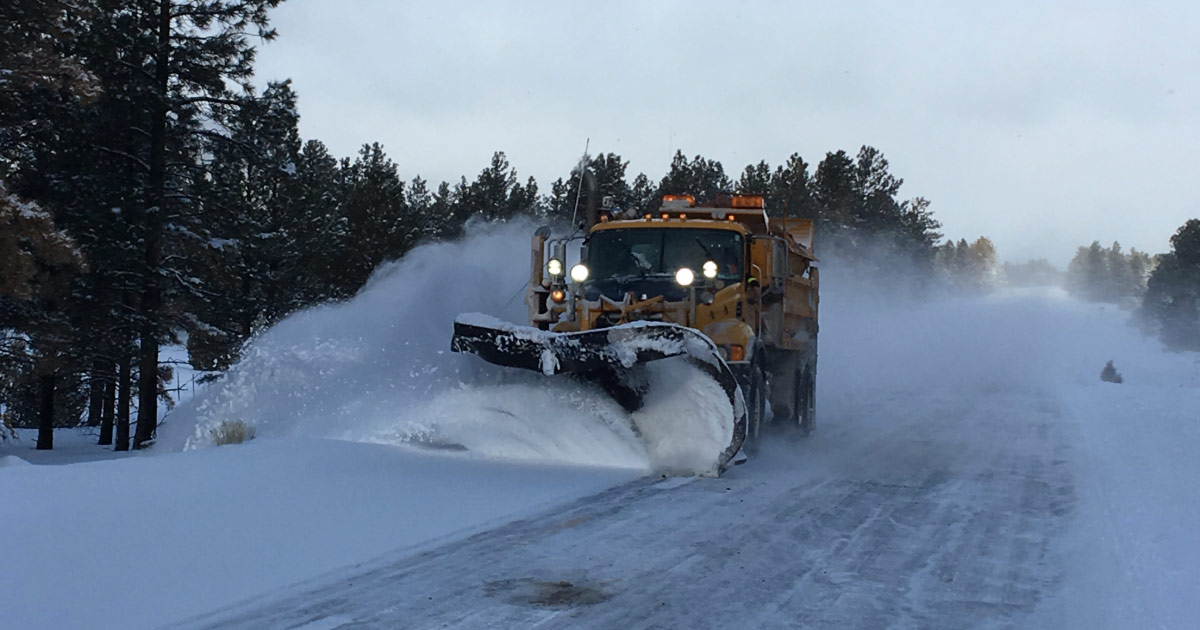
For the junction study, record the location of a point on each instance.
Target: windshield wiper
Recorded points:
(638, 261)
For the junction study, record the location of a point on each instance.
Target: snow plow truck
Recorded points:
(720, 283)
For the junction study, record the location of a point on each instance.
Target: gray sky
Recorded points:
(1041, 125)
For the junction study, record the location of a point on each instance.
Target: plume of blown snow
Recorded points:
(378, 368)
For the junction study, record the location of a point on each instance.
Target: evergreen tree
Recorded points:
(248, 249)
(448, 218)
(607, 172)
(643, 195)
(833, 185)
(700, 177)
(43, 85)
(496, 194)
(375, 208)
(791, 190)
(322, 231)
(755, 180)
(1172, 300)
(170, 65)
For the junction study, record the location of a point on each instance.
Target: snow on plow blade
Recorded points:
(605, 355)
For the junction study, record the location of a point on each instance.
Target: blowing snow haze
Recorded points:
(1041, 125)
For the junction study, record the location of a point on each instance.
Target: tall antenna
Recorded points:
(579, 188)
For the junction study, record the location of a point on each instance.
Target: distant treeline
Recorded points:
(1163, 290)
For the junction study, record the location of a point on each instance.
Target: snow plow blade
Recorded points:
(604, 355)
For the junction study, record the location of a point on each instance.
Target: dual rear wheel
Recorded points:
(793, 401)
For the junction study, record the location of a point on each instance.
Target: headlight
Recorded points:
(579, 272)
(684, 277)
(554, 267)
(709, 269)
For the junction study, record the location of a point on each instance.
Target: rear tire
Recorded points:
(756, 406)
(806, 399)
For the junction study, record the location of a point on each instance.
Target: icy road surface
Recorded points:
(970, 470)
(944, 519)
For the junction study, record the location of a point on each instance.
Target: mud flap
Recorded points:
(605, 355)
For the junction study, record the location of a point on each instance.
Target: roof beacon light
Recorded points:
(752, 202)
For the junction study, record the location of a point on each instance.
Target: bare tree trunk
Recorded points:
(109, 394)
(123, 395)
(95, 394)
(152, 291)
(45, 439)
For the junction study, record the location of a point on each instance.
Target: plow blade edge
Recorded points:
(604, 354)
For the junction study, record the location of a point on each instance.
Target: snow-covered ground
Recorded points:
(143, 541)
(970, 470)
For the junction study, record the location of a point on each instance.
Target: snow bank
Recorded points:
(146, 541)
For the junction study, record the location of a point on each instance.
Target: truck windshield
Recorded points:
(644, 252)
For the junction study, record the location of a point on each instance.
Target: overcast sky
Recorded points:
(1041, 125)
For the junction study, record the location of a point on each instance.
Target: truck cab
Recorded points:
(746, 281)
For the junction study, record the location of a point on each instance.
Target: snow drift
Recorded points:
(378, 368)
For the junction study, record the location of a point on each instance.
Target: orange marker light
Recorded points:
(558, 295)
(746, 201)
(737, 353)
(730, 217)
(691, 201)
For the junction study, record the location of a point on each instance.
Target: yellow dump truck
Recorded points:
(723, 284)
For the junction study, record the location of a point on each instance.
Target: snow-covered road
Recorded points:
(924, 510)
(970, 471)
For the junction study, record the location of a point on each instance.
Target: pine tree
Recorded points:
(374, 205)
(169, 65)
(322, 229)
(755, 180)
(833, 187)
(700, 177)
(643, 195)
(1172, 300)
(791, 190)
(246, 257)
(570, 196)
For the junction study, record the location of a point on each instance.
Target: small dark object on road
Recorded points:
(1110, 375)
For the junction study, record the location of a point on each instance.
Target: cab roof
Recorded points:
(672, 221)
